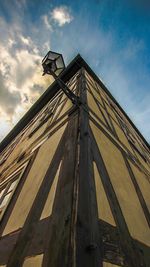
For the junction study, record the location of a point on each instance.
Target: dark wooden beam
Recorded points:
(87, 233)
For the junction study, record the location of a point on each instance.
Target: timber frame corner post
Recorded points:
(87, 232)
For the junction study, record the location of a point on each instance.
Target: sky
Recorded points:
(112, 36)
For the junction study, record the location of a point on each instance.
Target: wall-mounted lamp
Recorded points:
(53, 64)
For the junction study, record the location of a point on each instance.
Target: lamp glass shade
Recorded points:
(53, 63)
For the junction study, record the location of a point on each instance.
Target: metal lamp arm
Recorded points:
(74, 99)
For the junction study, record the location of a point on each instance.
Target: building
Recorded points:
(75, 181)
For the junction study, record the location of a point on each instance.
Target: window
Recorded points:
(7, 188)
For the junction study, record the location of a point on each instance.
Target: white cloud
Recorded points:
(46, 46)
(11, 43)
(47, 22)
(61, 15)
(25, 40)
(21, 81)
(8, 100)
(6, 126)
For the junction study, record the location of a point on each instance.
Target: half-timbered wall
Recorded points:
(121, 163)
(27, 161)
(74, 185)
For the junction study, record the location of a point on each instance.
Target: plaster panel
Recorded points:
(35, 261)
(51, 196)
(104, 211)
(93, 106)
(143, 183)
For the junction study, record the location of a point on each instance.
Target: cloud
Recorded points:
(47, 22)
(25, 40)
(6, 126)
(21, 81)
(8, 100)
(61, 15)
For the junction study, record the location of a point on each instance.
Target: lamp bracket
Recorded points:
(74, 99)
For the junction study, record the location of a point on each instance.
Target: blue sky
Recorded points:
(112, 36)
